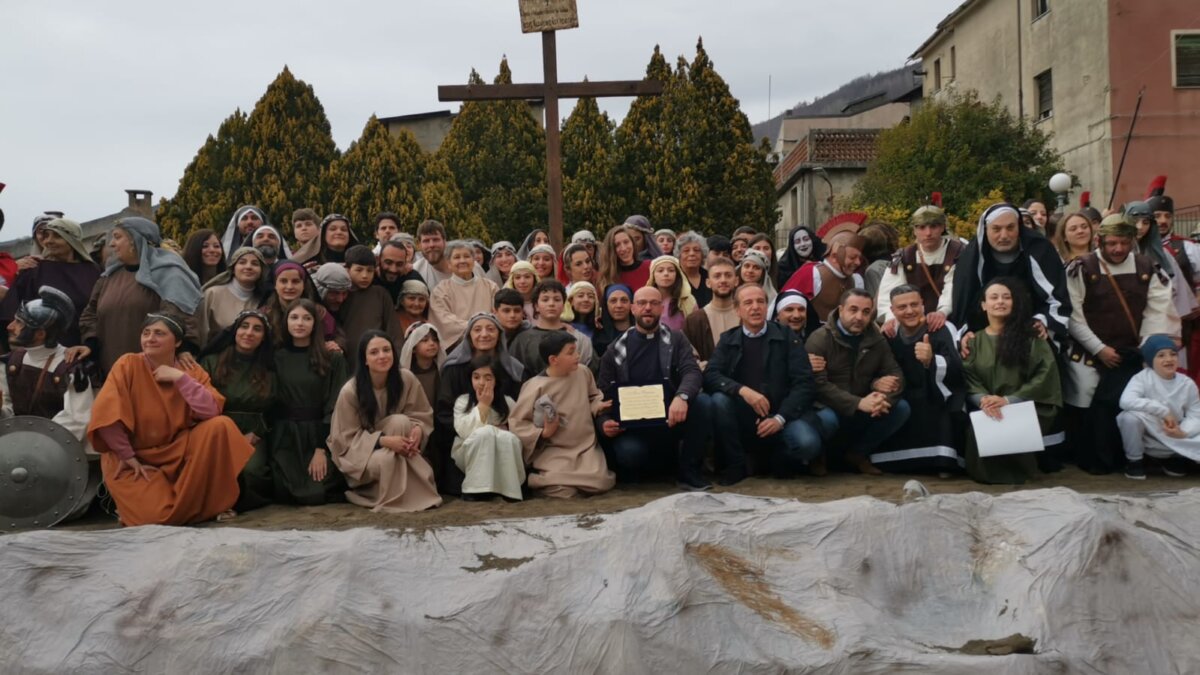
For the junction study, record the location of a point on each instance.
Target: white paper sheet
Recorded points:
(1018, 432)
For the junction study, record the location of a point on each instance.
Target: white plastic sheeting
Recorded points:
(688, 584)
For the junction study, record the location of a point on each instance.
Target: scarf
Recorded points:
(233, 239)
(416, 333)
(160, 270)
(463, 353)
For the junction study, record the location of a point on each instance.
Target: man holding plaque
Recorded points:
(653, 379)
(761, 385)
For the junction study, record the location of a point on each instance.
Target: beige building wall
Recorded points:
(796, 128)
(978, 49)
(429, 132)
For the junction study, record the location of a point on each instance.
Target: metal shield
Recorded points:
(43, 473)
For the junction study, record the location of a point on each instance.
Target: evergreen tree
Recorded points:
(963, 148)
(591, 199)
(378, 172)
(275, 158)
(640, 141)
(496, 152)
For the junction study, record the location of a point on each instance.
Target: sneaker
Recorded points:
(1175, 467)
(1135, 469)
(693, 487)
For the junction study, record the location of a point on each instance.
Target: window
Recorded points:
(953, 65)
(1040, 7)
(937, 74)
(1045, 95)
(1185, 58)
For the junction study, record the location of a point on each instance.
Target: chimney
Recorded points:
(139, 203)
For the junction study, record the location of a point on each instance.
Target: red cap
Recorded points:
(1158, 187)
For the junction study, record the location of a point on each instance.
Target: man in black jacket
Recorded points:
(761, 385)
(649, 353)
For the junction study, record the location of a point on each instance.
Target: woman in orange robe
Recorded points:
(167, 454)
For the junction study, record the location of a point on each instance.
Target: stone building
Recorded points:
(1074, 68)
(139, 204)
(430, 128)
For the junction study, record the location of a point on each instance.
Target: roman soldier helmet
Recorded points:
(52, 312)
(1156, 196)
(930, 214)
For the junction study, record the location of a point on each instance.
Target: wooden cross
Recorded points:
(546, 17)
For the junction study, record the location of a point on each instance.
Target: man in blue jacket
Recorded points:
(761, 385)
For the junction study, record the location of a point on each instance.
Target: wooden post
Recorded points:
(554, 196)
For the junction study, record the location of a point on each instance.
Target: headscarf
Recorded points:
(1155, 344)
(161, 271)
(685, 303)
(482, 248)
(322, 251)
(40, 221)
(583, 237)
(331, 277)
(228, 336)
(70, 231)
(414, 287)
(463, 352)
(568, 313)
(613, 288)
(668, 232)
(547, 249)
(520, 266)
(416, 333)
(285, 251)
(754, 257)
(226, 277)
(501, 245)
(789, 298)
(791, 261)
(527, 245)
(233, 239)
(642, 224)
(1151, 244)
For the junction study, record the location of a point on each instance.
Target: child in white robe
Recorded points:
(488, 453)
(1160, 413)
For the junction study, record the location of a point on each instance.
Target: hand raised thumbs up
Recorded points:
(924, 351)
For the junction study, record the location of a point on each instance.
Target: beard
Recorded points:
(648, 323)
(269, 252)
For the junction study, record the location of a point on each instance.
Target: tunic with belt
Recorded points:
(300, 425)
(248, 406)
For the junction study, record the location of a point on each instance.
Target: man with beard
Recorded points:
(647, 354)
(1002, 248)
(270, 243)
(923, 264)
(704, 326)
(1118, 299)
(432, 264)
(860, 388)
(761, 386)
(395, 268)
(823, 283)
(241, 226)
(930, 442)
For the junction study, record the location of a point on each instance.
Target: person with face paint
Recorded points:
(241, 227)
(241, 287)
(824, 282)
(923, 264)
(931, 440)
(1118, 299)
(168, 455)
(804, 247)
(241, 367)
(1003, 248)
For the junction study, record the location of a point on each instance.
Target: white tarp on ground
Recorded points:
(688, 584)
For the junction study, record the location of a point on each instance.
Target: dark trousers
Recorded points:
(641, 453)
(735, 425)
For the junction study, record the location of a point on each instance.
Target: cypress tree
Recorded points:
(378, 172)
(591, 196)
(640, 142)
(496, 152)
(211, 184)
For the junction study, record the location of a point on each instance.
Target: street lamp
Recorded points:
(1060, 184)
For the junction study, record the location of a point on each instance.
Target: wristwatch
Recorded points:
(684, 397)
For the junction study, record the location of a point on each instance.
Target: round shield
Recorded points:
(43, 473)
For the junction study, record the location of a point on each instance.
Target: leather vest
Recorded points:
(1101, 307)
(832, 288)
(906, 258)
(27, 398)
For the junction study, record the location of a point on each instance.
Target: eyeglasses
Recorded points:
(649, 303)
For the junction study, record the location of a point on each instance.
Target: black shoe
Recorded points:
(733, 476)
(477, 496)
(1175, 467)
(689, 486)
(1135, 469)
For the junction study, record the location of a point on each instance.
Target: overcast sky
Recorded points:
(97, 97)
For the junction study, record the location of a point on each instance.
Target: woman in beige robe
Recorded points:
(376, 443)
(570, 462)
(460, 297)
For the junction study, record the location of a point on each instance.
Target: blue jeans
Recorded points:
(864, 434)
(639, 453)
(735, 423)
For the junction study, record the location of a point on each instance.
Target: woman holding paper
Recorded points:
(1009, 364)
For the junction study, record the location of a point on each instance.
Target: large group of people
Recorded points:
(246, 369)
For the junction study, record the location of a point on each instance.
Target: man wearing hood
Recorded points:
(271, 244)
(1118, 299)
(239, 232)
(1003, 248)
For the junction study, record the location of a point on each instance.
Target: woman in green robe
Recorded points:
(309, 377)
(1009, 363)
(239, 362)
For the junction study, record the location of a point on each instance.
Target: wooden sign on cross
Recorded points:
(546, 16)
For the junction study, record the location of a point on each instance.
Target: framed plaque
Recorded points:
(539, 16)
(643, 406)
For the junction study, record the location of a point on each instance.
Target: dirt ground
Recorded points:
(456, 512)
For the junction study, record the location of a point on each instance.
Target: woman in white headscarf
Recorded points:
(141, 279)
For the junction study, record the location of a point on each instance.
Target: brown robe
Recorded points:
(368, 309)
(571, 461)
(197, 462)
(114, 314)
(380, 479)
